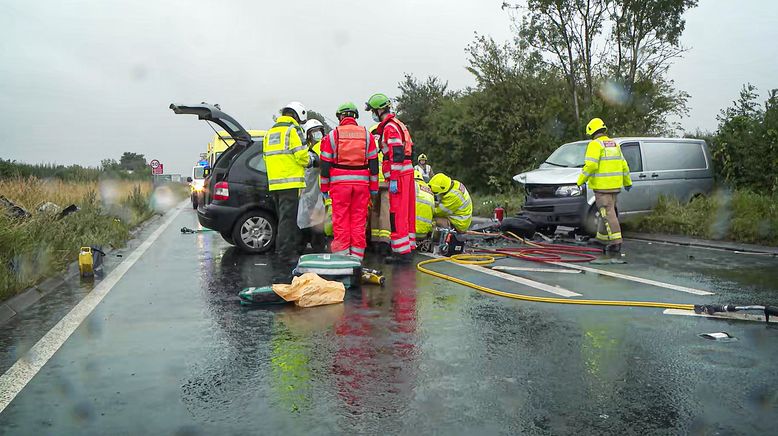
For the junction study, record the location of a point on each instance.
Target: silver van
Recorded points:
(671, 167)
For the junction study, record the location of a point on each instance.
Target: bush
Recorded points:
(743, 216)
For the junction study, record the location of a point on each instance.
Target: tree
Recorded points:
(132, 161)
(109, 165)
(745, 148)
(417, 100)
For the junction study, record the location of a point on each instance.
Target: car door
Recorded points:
(638, 199)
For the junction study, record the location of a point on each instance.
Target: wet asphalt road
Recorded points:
(170, 351)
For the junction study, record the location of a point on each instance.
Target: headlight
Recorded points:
(197, 186)
(568, 191)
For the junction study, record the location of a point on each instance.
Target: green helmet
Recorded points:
(378, 101)
(347, 107)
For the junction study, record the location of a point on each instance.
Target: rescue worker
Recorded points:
(286, 157)
(605, 171)
(311, 212)
(423, 168)
(349, 175)
(397, 148)
(454, 208)
(380, 228)
(425, 205)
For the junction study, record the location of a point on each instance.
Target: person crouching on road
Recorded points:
(286, 157)
(425, 206)
(349, 175)
(424, 168)
(454, 207)
(311, 213)
(397, 148)
(605, 171)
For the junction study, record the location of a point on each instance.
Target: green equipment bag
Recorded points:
(337, 267)
(259, 296)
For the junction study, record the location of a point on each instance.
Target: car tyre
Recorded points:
(590, 222)
(194, 202)
(228, 237)
(255, 232)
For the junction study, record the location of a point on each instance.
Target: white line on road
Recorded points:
(526, 282)
(633, 278)
(727, 315)
(17, 376)
(543, 270)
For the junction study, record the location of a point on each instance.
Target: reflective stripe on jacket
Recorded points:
(425, 204)
(396, 146)
(286, 156)
(456, 205)
(604, 166)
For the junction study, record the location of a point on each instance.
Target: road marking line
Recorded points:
(516, 279)
(543, 270)
(729, 315)
(633, 278)
(18, 375)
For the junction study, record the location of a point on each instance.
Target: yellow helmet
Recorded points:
(417, 175)
(422, 157)
(594, 125)
(440, 183)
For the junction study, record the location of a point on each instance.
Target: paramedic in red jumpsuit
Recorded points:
(397, 148)
(349, 175)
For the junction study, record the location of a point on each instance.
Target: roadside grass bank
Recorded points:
(741, 216)
(484, 204)
(35, 248)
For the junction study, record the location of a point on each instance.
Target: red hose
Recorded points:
(544, 252)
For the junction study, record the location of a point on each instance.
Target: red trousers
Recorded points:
(402, 215)
(349, 218)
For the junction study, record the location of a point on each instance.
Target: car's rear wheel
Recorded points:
(228, 237)
(255, 232)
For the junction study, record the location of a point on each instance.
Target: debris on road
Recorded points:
(307, 290)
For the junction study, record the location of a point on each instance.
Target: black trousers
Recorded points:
(289, 239)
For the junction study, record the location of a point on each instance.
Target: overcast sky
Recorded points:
(85, 80)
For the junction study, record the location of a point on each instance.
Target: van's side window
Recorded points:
(631, 153)
(663, 156)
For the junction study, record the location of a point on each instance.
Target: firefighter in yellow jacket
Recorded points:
(453, 202)
(605, 171)
(286, 157)
(425, 205)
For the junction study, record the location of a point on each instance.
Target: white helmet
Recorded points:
(298, 108)
(312, 124)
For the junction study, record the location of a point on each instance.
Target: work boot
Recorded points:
(399, 259)
(614, 250)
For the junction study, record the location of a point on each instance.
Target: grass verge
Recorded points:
(35, 248)
(741, 216)
(484, 204)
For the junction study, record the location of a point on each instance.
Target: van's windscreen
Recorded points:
(198, 173)
(569, 155)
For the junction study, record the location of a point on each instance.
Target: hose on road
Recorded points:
(479, 259)
(535, 253)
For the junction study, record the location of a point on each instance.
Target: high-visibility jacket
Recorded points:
(456, 205)
(397, 148)
(605, 168)
(286, 155)
(425, 205)
(349, 155)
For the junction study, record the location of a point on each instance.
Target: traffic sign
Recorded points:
(155, 164)
(160, 169)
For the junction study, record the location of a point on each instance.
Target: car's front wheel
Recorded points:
(228, 237)
(255, 232)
